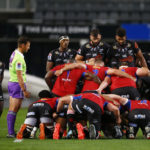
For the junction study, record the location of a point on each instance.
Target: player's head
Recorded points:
(123, 65)
(64, 41)
(24, 43)
(121, 36)
(44, 94)
(95, 36)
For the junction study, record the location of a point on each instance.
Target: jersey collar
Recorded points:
(19, 53)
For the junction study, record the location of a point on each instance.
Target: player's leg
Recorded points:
(1, 107)
(46, 121)
(28, 129)
(133, 125)
(15, 101)
(1, 101)
(94, 113)
(145, 122)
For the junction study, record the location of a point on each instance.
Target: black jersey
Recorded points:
(124, 53)
(58, 57)
(90, 51)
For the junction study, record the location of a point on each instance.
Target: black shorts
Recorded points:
(38, 110)
(127, 92)
(1, 93)
(89, 109)
(139, 117)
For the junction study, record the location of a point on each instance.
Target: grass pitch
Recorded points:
(35, 144)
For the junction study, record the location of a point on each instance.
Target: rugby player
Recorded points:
(40, 113)
(122, 86)
(124, 50)
(90, 105)
(2, 67)
(138, 117)
(60, 55)
(95, 48)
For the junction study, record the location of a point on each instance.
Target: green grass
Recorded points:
(35, 144)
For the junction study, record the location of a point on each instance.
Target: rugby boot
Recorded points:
(80, 131)
(92, 132)
(56, 133)
(20, 133)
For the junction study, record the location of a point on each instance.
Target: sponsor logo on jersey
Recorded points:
(129, 45)
(19, 66)
(69, 80)
(115, 47)
(101, 43)
(88, 46)
(89, 109)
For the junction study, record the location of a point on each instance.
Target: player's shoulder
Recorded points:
(104, 44)
(54, 51)
(86, 45)
(131, 44)
(114, 45)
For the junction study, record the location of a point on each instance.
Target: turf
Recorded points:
(35, 144)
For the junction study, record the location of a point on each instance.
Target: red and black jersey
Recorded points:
(66, 83)
(50, 101)
(88, 50)
(140, 104)
(96, 98)
(124, 53)
(97, 70)
(61, 57)
(118, 82)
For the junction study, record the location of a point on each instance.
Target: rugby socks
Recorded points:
(70, 119)
(11, 118)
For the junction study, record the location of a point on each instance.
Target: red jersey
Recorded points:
(140, 104)
(96, 98)
(50, 101)
(97, 70)
(66, 83)
(118, 82)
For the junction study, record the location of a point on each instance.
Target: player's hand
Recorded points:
(55, 115)
(99, 91)
(58, 72)
(26, 94)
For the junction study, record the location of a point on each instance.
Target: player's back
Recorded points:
(66, 83)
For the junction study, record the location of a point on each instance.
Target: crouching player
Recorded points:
(88, 104)
(138, 117)
(39, 114)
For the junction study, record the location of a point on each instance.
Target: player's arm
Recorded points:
(70, 67)
(21, 83)
(79, 58)
(140, 56)
(114, 98)
(49, 65)
(62, 101)
(104, 84)
(120, 73)
(48, 78)
(142, 71)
